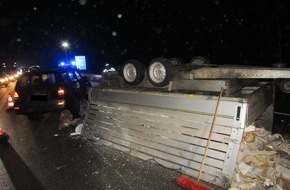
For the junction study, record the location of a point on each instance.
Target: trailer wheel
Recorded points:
(200, 60)
(284, 85)
(176, 61)
(133, 72)
(160, 72)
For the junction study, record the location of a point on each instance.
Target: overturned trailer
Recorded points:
(170, 122)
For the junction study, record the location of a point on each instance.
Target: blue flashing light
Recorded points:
(70, 64)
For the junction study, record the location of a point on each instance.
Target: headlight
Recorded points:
(2, 80)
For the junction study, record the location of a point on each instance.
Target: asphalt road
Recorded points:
(43, 155)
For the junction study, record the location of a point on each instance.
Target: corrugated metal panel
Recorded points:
(171, 129)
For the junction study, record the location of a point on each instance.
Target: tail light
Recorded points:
(16, 97)
(61, 102)
(60, 93)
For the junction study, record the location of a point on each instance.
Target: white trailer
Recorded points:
(169, 122)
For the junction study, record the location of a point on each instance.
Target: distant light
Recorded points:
(114, 33)
(62, 64)
(82, 2)
(119, 15)
(73, 63)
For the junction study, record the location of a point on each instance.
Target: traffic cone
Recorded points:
(10, 102)
(3, 137)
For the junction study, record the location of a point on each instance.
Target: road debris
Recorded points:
(263, 161)
(66, 120)
(83, 108)
(78, 130)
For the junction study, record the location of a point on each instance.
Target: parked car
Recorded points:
(4, 79)
(41, 91)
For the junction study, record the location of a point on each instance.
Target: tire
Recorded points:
(176, 61)
(200, 60)
(284, 86)
(160, 72)
(133, 72)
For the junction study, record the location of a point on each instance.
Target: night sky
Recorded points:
(240, 32)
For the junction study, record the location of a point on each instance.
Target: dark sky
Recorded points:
(240, 32)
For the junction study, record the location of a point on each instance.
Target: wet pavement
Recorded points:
(42, 154)
(58, 160)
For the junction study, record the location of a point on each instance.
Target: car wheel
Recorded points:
(133, 72)
(160, 72)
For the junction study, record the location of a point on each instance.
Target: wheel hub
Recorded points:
(130, 72)
(158, 72)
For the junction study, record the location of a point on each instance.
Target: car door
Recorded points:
(70, 83)
(83, 84)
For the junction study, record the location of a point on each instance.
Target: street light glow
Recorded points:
(65, 44)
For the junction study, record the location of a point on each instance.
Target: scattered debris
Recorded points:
(263, 161)
(68, 125)
(66, 120)
(78, 130)
(83, 108)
